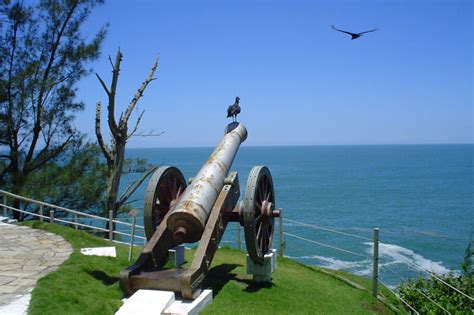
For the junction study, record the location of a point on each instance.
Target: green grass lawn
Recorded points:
(89, 284)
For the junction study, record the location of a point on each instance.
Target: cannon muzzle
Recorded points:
(189, 218)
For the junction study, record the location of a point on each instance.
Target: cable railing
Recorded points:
(416, 289)
(375, 263)
(317, 227)
(77, 219)
(374, 258)
(327, 245)
(399, 297)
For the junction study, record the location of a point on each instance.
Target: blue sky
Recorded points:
(300, 82)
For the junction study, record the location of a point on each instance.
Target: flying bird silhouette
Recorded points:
(353, 35)
(234, 109)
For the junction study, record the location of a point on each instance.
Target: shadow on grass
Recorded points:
(220, 275)
(102, 276)
(257, 286)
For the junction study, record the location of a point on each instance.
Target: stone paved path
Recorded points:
(27, 255)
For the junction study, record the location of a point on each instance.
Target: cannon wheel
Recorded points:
(165, 186)
(258, 207)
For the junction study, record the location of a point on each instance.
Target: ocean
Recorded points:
(421, 197)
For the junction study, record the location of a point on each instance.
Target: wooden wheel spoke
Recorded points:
(175, 187)
(259, 231)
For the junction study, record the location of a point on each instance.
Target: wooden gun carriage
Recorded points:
(175, 213)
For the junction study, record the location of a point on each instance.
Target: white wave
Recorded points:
(398, 254)
(337, 264)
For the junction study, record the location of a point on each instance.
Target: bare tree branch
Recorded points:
(136, 125)
(151, 133)
(113, 89)
(139, 94)
(123, 198)
(103, 84)
(103, 146)
(111, 63)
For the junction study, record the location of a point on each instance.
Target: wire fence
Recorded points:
(112, 227)
(89, 224)
(375, 263)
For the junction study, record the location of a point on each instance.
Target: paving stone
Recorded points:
(26, 255)
(8, 289)
(23, 282)
(34, 268)
(9, 267)
(5, 279)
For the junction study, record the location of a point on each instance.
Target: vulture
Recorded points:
(234, 109)
(353, 35)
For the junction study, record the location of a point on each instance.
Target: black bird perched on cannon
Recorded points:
(353, 35)
(234, 109)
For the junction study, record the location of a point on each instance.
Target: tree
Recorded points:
(42, 57)
(115, 153)
(76, 180)
(467, 264)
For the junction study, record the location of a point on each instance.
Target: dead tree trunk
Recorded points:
(115, 153)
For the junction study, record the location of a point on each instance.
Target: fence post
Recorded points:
(111, 225)
(132, 237)
(238, 236)
(133, 213)
(375, 273)
(51, 216)
(5, 213)
(41, 212)
(280, 233)
(75, 220)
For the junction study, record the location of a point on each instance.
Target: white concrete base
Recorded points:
(190, 307)
(176, 256)
(7, 220)
(262, 273)
(148, 302)
(99, 251)
(16, 307)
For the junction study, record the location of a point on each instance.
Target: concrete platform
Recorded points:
(190, 307)
(99, 251)
(262, 272)
(145, 302)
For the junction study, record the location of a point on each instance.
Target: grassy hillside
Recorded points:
(89, 285)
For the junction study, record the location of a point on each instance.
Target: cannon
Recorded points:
(176, 213)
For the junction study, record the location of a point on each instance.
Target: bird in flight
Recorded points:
(353, 35)
(234, 109)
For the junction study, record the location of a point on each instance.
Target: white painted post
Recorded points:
(132, 237)
(75, 220)
(5, 213)
(51, 216)
(41, 212)
(238, 236)
(280, 233)
(111, 225)
(375, 273)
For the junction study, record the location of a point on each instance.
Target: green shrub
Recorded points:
(413, 292)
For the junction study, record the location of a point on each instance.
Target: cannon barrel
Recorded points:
(189, 218)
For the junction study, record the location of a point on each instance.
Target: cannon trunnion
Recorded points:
(175, 213)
